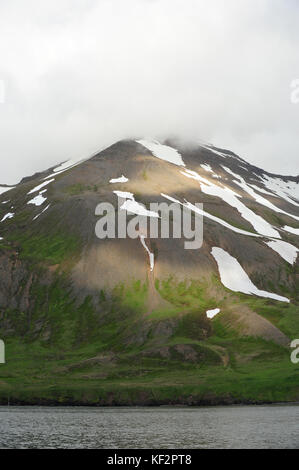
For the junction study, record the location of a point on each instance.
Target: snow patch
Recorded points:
(132, 206)
(4, 189)
(261, 190)
(63, 167)
(228, 170)
(234, 277)
(121, 179)
(151, 255)
(71, 163)
(164, 152)
(230, 197)
(212, 313)
(287, 251)
(220, 154)
(212, 217)
(67, 164)
(288, 190)
(135, 208)
(124, 194)
(40, 186)
(9, 215)
(36, 217)
(293, 230)
(208, 147)
(208, 168)
(260, 199)
(39, 199)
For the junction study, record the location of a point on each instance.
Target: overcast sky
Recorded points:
(79, 74)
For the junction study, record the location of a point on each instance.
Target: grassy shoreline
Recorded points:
(148, 404)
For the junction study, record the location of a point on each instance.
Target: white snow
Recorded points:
(40, 186)
(260, 199)
(194, 175)
(208, 168)
(207, 147)
(4, 189)
(71, 163)
(212, 313)
(288, 190)
(47, 207)
(9, 215)
(234, 277)
(230, 197)
(284, 250)
(228, 170)
(5, 202)
(124, 194)
(151, 255)
(293, 230)
(221, 154)
(164, 152)
(121, 179)
(287, 251)
(135, 208)
(39, 199)
(65, 166)
(212, 217)
(132, 206)
(261, 190)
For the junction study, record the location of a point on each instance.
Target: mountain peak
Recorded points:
(121, 293)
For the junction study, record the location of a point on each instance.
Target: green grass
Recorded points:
(35, 373)
(4, 246)
(184, 294)
(194, 325)
(284, 316)
(53, 249)
(163, 314)
(133, 297)
(78, 188)
(107, 349)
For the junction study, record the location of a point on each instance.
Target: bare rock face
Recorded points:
(15, 283)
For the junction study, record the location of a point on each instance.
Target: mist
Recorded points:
(81, 74)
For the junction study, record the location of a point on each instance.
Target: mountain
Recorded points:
(146, 321)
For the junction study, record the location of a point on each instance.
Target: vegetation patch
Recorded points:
(79, 188)
(52, 248)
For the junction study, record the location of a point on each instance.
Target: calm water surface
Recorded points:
(162, 427)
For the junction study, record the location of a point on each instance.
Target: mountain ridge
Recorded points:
(63, 289)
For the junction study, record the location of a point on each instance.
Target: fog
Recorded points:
(80, 74)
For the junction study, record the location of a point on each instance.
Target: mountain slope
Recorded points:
(124, 320)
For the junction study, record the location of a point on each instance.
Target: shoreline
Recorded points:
(196, 404)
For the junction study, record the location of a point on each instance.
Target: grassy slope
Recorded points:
(108, 350)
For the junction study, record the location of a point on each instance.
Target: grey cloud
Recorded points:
(81, 74)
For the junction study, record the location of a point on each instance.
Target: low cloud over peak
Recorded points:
(80, 74)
